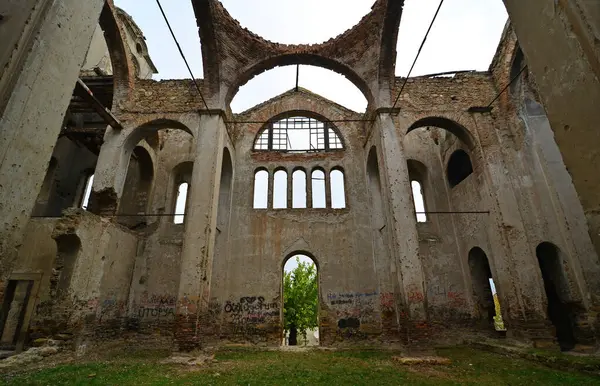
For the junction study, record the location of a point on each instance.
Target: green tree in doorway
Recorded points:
(300, 304)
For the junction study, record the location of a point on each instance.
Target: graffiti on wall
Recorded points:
(351, 310)
(414, 295)
(251, 315)
(454, 297)
(156, 306)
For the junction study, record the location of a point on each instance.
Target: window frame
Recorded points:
(325, 131)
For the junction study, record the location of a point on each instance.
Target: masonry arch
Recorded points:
(224, 206)
(138, 187)
(560, 309)
(151, 127)
(300, 296)
(252, 70)
(447, 124)
(115, 155)
(299, 131)
(120, 58)
(481, 274)
(68, 248)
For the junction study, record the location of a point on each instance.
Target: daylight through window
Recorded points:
(338, 190)
(261, 189)
(298, 134)
(299, 189)
(280, 190)
(87, 192)
(182, 191)
(318, 189)
(419, 201)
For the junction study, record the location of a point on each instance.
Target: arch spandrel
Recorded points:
(356, 54)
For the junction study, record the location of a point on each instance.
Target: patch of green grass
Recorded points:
(353, 367)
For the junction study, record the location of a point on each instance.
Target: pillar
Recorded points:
(512, 252)
(35, 111)
(401, 220)
(200, 227)
(563, 55)
(111, 171)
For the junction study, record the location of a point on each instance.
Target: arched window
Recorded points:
(417, 174)
(318, 189)
(298, 135)
(280, 190)
(418, 201)
(459, 167)
(182, 191)
(87, 191)
(299, 189)
(337, 189)
(261, 189)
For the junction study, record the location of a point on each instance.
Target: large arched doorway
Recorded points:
(559, 309)
(300, 301)
(484, 289)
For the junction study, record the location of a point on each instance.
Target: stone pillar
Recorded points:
(518, 280)
(200, 228)
(401, 220)
(35, 111)
(562, 55)
(111, 171)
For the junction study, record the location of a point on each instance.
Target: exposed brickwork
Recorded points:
(104, 282)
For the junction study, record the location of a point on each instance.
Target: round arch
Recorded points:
(122, 64)
(304, 114)
(301, 252)
(447, 124)
(298, 58)
(150, 127)
(416, 169)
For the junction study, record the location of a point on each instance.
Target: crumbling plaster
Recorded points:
(217, 277)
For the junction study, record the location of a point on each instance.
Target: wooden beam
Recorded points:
(83, 91)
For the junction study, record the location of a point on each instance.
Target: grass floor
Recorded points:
(242, 367)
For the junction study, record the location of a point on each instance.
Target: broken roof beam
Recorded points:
(83, 91)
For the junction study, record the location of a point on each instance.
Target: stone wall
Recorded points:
(383, 278)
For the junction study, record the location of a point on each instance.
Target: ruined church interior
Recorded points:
(457, 206)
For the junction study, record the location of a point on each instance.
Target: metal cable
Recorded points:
(418, 53)
(183, 56)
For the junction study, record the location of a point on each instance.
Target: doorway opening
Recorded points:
(559, 310)
(12, 314)
(300, 301)
(484, 289)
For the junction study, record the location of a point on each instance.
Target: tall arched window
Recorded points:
(318, 189)
(299, 189)
(87, 191)
(337, 189)
(459, 167)
(418, 201)
(298, 135)
(261, 189)
(280, 190)
(417, 174)
(182, 191)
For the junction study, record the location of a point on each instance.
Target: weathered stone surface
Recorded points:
(124, 270)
